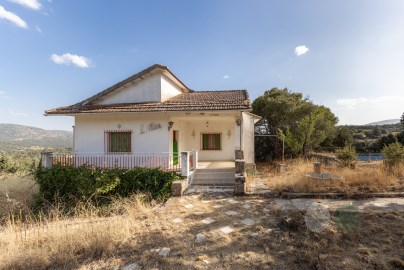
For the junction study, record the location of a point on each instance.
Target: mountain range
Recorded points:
(14, 136)
(384, 122)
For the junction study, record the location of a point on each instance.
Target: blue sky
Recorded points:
(344, 54)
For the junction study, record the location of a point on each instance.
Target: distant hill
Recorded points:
(385, 122)
(18, 136)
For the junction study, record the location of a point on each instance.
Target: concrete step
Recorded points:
(209, 189)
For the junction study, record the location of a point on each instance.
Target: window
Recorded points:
(211, 141)
(118, 141)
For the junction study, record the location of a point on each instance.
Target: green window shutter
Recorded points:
(205, 141)
(217, 142)
(119, 142)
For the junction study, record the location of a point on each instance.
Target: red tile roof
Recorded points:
(190, 101)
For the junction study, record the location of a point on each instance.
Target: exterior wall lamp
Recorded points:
(238, 121)
(193, 133)
(170, 125)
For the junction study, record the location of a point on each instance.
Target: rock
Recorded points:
(208, 220)
(132, 266)
(246, 206)
(189, 206)
(248, 221)
(200, 238)
(217, 206)
(177, 220)
(164, 252)
(226, 230)
(231, 213)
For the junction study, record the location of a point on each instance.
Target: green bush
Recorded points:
(71, 185)
(346, 155)
(393, 154)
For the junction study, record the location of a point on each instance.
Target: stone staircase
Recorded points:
(213, 180)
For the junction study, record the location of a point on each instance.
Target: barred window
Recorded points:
(118, 141)
(211, 141)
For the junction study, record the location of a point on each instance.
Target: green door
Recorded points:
(175, 147)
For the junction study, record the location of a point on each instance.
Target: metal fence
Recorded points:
(163, 161)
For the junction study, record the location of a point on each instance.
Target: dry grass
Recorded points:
(16, 195)
(55, 241)
(133, 231)
(364, 178)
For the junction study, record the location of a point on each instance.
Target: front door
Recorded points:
(175, 147)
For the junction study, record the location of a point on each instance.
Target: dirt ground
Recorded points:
(263, 234)
(216, 232)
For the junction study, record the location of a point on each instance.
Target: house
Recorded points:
(153, 113)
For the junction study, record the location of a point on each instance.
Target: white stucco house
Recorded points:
(153, 113)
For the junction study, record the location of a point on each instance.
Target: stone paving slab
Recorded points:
(208, 220)
(226, 230)
(248, 221)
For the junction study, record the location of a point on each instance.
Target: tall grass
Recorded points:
(367, 178)
(57, 241)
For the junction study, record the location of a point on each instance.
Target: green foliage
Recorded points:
(393, 154)
(302, 124)
(384, 141)
(402, 120)
(343, 137)
(310, 131)
(346, 155)
(70, 184)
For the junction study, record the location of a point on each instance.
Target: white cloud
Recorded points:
(14, 113)
(67, 59)
(38, 29)
(226, 76)
(9, 16)
(354, 103)
(33, 4)
(3, 95)
(300, 50)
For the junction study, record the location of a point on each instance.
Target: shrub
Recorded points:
(346, 155)
(393, 154)
(70, 184)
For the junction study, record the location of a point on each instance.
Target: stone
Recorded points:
(200, 238)
(231, 213)
(199, 213)
(208, 220)
(232, 201)
(217, 206)
(226, 230)
(177, 220)
(178, 187)
(189, 206)
(164, 252)
(248, 221)
(132, 266)
(246, 206)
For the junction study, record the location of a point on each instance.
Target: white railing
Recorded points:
(165, 161)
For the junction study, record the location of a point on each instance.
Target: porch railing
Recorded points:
(164, 161)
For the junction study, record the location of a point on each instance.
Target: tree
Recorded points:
(311, 130)
(343, 137)
(289, 115)
(402, 119)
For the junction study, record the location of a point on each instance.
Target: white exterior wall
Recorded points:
(168, 89)
(247, 137)
(190, 142)
(153, 88)
(89, 132)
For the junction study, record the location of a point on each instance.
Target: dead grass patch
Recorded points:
(373, 178)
